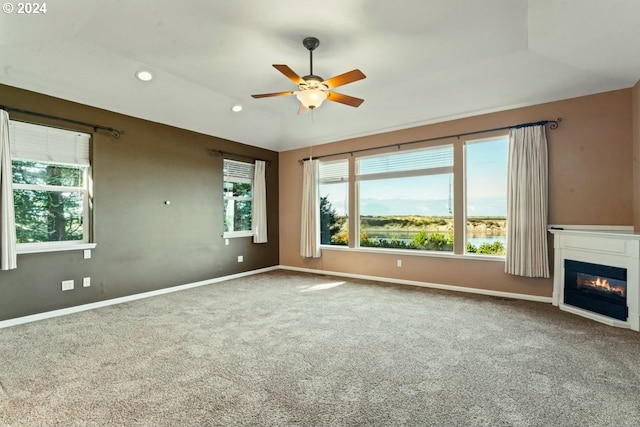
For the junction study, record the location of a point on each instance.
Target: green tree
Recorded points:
(330, 223)
(48, 215)
(237, 206)
(495, 248)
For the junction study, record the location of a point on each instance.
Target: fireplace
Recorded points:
(597, 273)
(598, 288)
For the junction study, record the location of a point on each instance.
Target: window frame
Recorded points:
(241, 180)
(403, 173)
(465, 200)
(459, 203)
(86, 191)
(336, 177)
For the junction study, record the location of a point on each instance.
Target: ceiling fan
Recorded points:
(313, 90)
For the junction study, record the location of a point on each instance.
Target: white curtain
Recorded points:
(309, 230)
(259, 214)
(527, 201)
(8, 252)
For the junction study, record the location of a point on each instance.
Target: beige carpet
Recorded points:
(290, 349)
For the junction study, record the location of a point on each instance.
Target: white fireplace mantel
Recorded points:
(616, 246)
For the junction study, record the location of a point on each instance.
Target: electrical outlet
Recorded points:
(67, 285)
(86, 282)
(87, 253)
(226, 242)
(399, 263)
(240, 258)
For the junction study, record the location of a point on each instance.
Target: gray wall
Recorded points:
(142, 244)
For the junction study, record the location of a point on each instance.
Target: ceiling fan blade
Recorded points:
(266, 95)
(302, 109)
(343, 79)
(345, 99)
(284, 69)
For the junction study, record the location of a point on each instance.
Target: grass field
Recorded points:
(407, 226)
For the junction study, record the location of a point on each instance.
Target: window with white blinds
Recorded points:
(238, 198)
(333, 190)
(233, 170)
(405, 199)
(430, 161)
(334, 171)
(47, 144)
(50, 172)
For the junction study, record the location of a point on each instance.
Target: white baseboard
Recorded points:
(113, 301)
(425, 284)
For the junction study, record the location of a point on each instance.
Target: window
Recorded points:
(486, 196)
(237, 189)
(405, 199)
(334, 202)
(51, 186)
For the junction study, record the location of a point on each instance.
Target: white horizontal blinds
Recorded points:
(427, 161)
(334, 171)
(234, 170)
(47, 144)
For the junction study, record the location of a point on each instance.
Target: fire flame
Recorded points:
(602, 285)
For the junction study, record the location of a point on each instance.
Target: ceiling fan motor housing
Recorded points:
(312, 82)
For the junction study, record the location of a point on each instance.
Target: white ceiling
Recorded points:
(425, 60)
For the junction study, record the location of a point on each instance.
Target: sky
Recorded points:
(486, 165)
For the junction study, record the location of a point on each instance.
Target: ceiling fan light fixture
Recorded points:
(311, 98)
(313, 90)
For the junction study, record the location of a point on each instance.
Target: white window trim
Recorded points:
(415, 252)
(36, 248)
(354, 179)
(228, 178)
(334, 179)
(234, 234)
(82, 161)
(443, 170)
(430, 171)
(464, 195)
(62, 189)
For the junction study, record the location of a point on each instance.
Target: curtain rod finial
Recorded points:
(116, 133)
(555, 123)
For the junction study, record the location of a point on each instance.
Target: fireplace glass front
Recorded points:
(598, 288)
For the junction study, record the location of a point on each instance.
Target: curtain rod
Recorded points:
(221, 153)
(554, 125)
(116, 134)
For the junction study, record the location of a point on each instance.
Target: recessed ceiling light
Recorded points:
(144, 75)
(236, 108)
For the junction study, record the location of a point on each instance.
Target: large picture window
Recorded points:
(238, 198)
(405, 200)
(51, 186)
